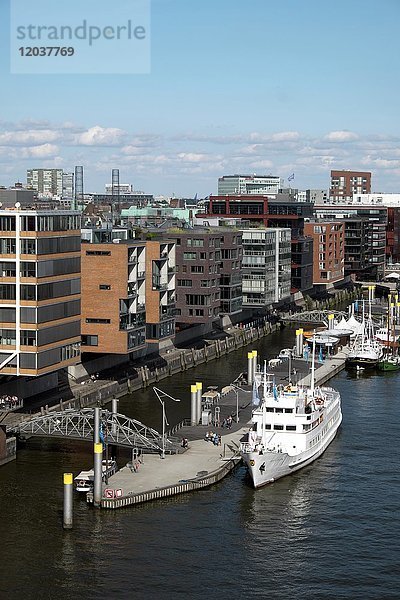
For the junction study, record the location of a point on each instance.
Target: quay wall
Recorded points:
(181, 488)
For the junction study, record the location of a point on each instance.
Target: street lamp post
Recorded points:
(162, 396)
(236, 390)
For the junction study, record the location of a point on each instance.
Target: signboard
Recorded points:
(108, 493)
(118, 493)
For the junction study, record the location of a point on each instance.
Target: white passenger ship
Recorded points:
(292, 426)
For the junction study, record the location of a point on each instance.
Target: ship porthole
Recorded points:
(252, 463)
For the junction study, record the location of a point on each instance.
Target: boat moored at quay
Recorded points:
(291, 426)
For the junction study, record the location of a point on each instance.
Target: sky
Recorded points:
(235, 86)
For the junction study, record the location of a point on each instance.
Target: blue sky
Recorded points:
(257, 86)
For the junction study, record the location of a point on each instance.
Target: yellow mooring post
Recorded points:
(250, 368)
(98, 475)
(68, 501)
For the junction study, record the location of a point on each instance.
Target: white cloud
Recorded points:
(261, 164)
(341, 136)
(100, 136)
(42, 151)
(28, 137)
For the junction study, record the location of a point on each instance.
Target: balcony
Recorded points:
(141, 275)
(160, 287)
(131, 291)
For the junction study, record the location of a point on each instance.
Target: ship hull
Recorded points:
(269, 466)
(361, 363)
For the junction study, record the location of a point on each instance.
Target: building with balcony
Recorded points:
(344, 184)
(209, 283)
(113, 297)
(48, 182)
(328, 251)
(266, 267)
(40, 291)
(160, 291)
(365, 238)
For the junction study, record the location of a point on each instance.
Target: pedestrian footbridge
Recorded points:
(314, 316)
(115, 429)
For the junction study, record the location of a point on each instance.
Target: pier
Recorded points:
(202, 464)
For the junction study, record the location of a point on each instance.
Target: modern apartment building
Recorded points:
(48, 182)
(68, 191)
(283, 211)
(266, 266)
(365, 237)
(328, 250)
(113, 297)
(40, 291)
(209, 282)
(160, 291)
(128, 293)
(344, 184)
(249, 184)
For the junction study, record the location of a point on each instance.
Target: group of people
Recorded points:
(227, 422)
(9, 402)
(213, 437)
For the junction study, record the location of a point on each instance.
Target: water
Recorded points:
(328, 531)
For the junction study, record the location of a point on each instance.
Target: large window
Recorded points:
(90, 340)
(7, 337)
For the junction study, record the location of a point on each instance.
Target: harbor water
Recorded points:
(328, 531)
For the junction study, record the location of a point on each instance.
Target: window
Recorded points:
(203, 255)
(189, 256)
(28, 338)
(98, 252)
(105, 321)
(290, 427)
(104, 286)
(197, 269)
(278, 427)
(184, 283)
(199, 312)
(28, 246)
(7, 337)
(90, 340)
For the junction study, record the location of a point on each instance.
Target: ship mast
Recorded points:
(313, 367)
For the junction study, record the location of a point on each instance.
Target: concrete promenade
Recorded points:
(203, 464)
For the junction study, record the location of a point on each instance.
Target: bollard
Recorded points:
(250, 368)
(193, 405)
(299, 342)
(331, 321)
(68, 501)
(114, 410)
(98, 474)
(199, 386)
(254, 363)
(96, 425)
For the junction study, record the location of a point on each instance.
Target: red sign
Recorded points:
(108, 493)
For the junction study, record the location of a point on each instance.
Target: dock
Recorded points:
(202, 464)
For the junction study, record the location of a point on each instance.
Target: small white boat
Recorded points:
(84, 482)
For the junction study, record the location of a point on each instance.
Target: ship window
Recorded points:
(269, 409)
(279, 410)
(288, 410)
(306, 427)
(290, 427)
(267, 426)
(278, 427)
